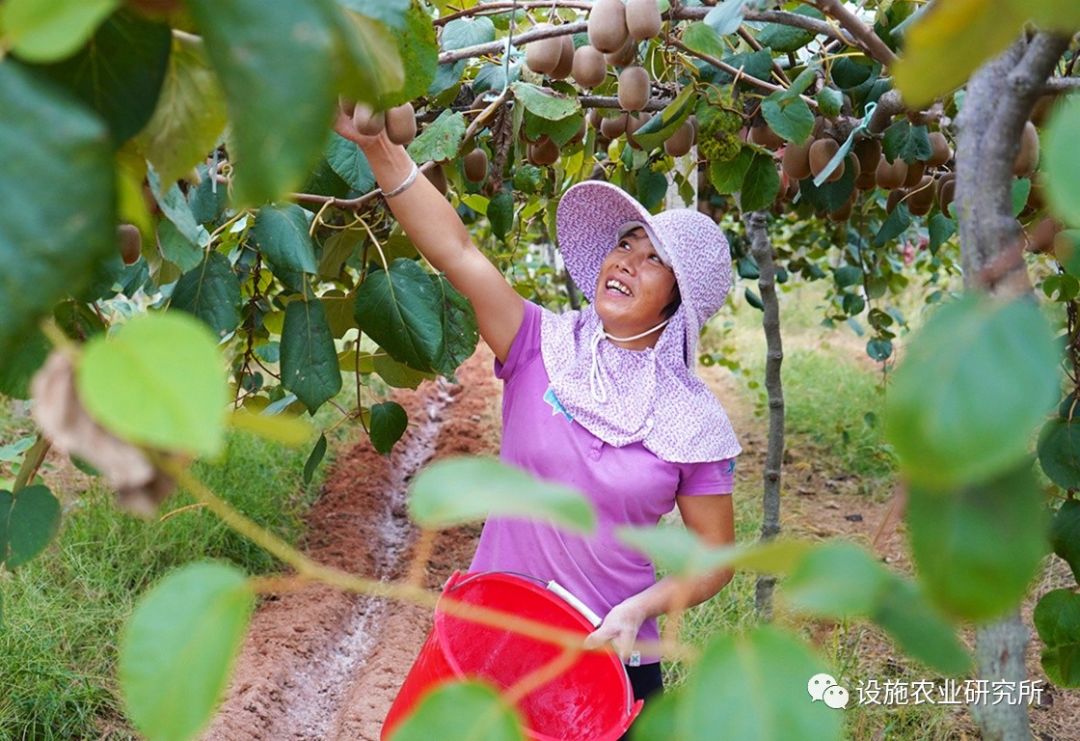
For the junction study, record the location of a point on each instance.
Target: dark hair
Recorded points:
(673, 306)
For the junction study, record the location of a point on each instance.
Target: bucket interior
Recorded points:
(588, 700)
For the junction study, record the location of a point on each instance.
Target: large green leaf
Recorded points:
(440, 140)
(543, 102)
(277, 65)
(402, 311)
(210, 291)
(388, 423)
(119, 74)
(727, 177)
(894, 225)
(418, 49)
(190, 115)
(349, 162)
(57, 199)
(959, 537)
(28, 521)
(461, 711)
(678, 550)
(398, 375)
(462, 32)
(178, 648)
(282, 234)
(909, 143)
(919, 629)
(467, 489)
(1065, 534)
(660, 127)
(369, 59)
(309, 364)
(158, 380)
(1057, 619)
(47, 31)
(460, 332)
(176, 209)
(760, 185)
(17, 368)
(1061, 161)
(790, 117)
(704, 39)
(1059, 452)
(784, 38)
(975, 382)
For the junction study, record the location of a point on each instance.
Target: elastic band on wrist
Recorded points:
(409, 180)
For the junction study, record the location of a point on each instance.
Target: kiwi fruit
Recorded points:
(946, 193)
(1042, 108)
(544, 151)
(765, 136)
(851, 162)
(633, 88)
(796, 160)
(681, 140)
(922, 196)
(869, 153)
(940, 151)
(476, 165)
(642, 19)
(1042, 235)
(437, 178)
(821, 151)
(914, 174)
(866, 180)
(129, 242)
(1028, 156)
(607, 25)
(633, 123)
(844, 212)
(613, 128)
(625, 56)
(565, 65)
(895, 196)
(401, 124)
(892, 175)
(588, 68)
(543, 56)
(367, 121)
(594, 118)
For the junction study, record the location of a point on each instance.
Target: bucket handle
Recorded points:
(455, 582)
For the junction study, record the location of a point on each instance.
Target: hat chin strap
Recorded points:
(596, 371)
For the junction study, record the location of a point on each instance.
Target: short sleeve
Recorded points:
(710, 477)
(526, 344)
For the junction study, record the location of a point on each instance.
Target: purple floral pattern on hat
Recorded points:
(655, 396)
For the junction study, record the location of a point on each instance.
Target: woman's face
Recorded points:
(647, 286)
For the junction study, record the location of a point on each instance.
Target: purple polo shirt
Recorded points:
(627, 485)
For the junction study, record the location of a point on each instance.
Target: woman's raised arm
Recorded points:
(440, 236)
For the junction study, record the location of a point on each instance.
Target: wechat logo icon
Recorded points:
(824, 687)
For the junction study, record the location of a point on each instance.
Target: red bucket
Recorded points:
(592, 699)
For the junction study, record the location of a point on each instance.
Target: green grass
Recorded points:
(63, 611)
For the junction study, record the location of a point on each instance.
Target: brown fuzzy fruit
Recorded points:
(679, 143)
(367, 121)
(844, 212)
(642, 19)
(869, 153)
(1028, 156)
(129, 242)
(437, 178)
(633, 123)
(476, 165)
(895, 196)
(922, 196)
(796, 160)
(589, 68)
(633, 88)
(914, 174)
(594, 118)
(891, 176)
(565, 65)
(1041, 237)
(401, 124)
(946, 194)
(866, 180)
(765, 136)
(544, 152)
(940, 151)
(625, 56)
(542, 56)
(821, 151)
(613, 128)
(607, 25)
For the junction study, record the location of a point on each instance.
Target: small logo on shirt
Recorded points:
(731, 465)
(556, 405)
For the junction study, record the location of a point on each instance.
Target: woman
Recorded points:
(603, 399)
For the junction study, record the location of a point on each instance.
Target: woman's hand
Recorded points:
(344, 125)
(620, 627)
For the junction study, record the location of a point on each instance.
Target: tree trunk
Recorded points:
(761, 249)
(997, 103)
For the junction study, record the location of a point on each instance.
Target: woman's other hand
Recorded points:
(620, 627)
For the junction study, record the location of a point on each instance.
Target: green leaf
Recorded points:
(462, 32)
(500, 213)
(57, 200)
(282, 234)
(457, 490)
(29, 520)
(388, 424)
(309, 364)
(909, 143)
(177, 649)
(1057, 619)
(211, 291)
(754, 687)
(1021, 189)
(460, 331)
(543, 102)
(176, 248)
(847, 275)
(336, 251)
(398, 375)
(657, 719)
(783, 38)
(680, 551)
(314, 459)
(176, 209)
(879, 350)
(727, 177)
(158, 380)
(271, 59)
(894, 225)
(1061, 161)
(461, 711)
(190, 114)
(704, 39)
(418, 50)
(941, 228)
(920, 630)
(728, 16)
(349, 162)
(829, 100)
(47, 31)
(17, 368)
(761, 184)
(441, 140)
(660, 127)
(280, 428)
(957, 537)
(402, 311)
(1059, 452)
(1065, 534)
(975, 381)
(120, 73)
